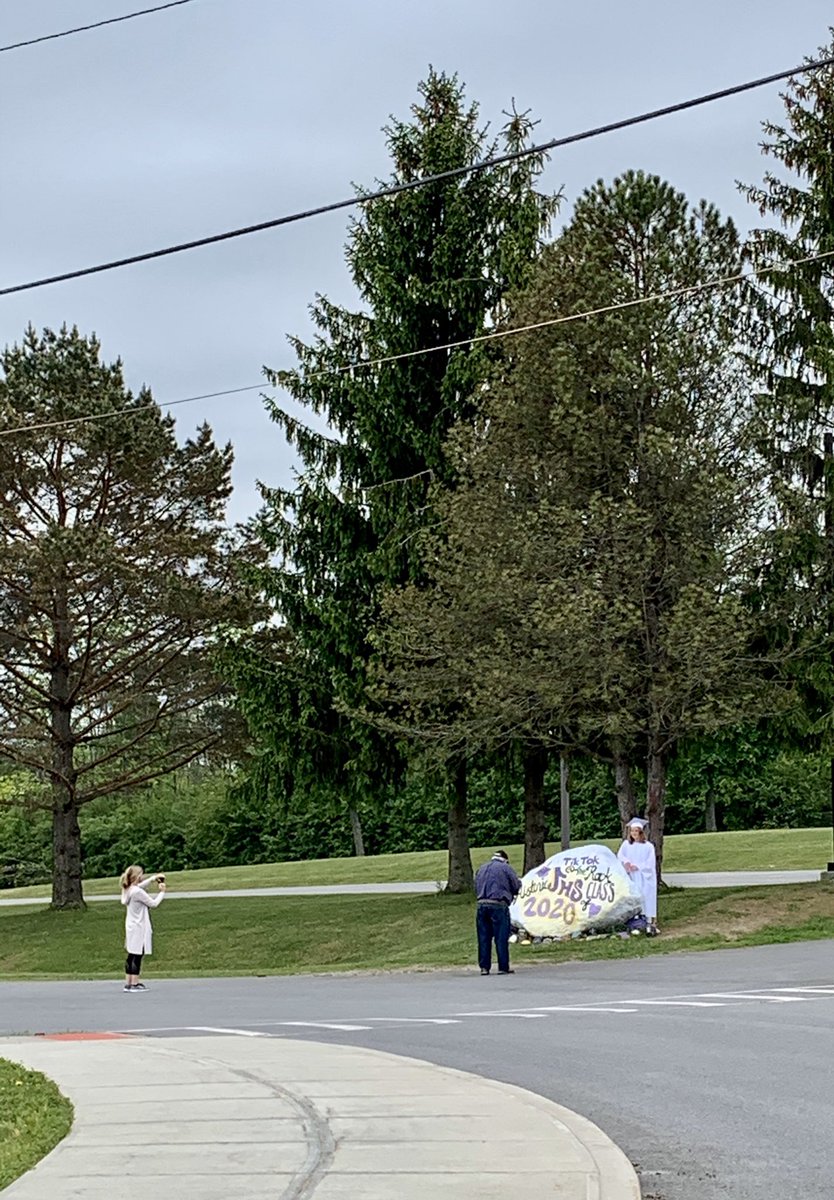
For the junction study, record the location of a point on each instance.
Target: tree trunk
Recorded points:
(356, 830)
(656, 801)
(460, 876)
(66, 856)
(66, 834)
(564, 800)
(710, 820)
(535, 821)
(626, 802)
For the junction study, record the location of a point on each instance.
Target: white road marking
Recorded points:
(763, 995)
(693, 999)
(152, 1029)
(682, 1003)
(511, 1012)
(192, 1029)
(587, 1008)
(751, 996)
(223, 1029)
(417, 1020)
(322, 1025)
(825, 991)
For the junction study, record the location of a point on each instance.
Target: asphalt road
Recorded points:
(712, 1071)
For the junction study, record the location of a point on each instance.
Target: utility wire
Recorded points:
(410, 185)
(51, 37)
(675, 293)
(493, 335)
(128, 412)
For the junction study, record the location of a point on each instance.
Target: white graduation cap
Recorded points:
(638, 823)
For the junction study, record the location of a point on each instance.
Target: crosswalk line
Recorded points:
(521, 1016)
(681, 1003)
(416, 1020)
(224, 1029)
(753, 996)
(822, 991)
(324, 1025)
(587, 1008)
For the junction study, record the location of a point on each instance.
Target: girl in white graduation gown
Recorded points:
(637, 854)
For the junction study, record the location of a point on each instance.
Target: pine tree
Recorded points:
(796, 342)
(115, 574)
(794, 300)
(587, 581)
(432, 267)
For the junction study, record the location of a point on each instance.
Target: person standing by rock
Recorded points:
(637, 854)
(138, 931)
(496, 886)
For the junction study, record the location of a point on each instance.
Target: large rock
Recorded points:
(573, 891)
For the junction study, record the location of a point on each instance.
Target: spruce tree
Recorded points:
(793, 296)
(432, 266)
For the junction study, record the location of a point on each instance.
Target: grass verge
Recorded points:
(746, 850)
(34, 1116)
(283, 936)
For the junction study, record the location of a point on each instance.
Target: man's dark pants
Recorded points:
(493, 922)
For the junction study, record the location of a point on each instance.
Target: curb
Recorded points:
(617, 1177)
(314, 1083)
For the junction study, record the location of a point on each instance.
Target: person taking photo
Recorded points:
(496, 886)
(138, 930)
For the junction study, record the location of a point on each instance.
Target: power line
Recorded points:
(397, 188)
(127, 412)
(51, 37)
(493, 335)
(675, 293)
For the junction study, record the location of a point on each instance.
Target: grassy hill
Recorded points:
(754, 850)
(289, 935)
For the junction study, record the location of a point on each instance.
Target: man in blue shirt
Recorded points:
(496, 885)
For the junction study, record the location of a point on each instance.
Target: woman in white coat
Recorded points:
(138, 931)
(637, 854)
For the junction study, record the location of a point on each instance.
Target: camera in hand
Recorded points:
(160, 879)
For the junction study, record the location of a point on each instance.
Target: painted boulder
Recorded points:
(574, 891)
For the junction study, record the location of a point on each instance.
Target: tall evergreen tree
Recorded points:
(115, 573)
(794, 298)
(432, 267)
(796, 333)
(588, 576)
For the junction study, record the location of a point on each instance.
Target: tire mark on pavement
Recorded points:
(321, 1145)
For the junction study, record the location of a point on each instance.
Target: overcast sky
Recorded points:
(223, 113)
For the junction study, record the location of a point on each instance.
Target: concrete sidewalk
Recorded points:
(322, 889)
(717, 879)
(706, 879)
(260, 1118)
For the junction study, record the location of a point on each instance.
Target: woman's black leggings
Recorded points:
(133, 964)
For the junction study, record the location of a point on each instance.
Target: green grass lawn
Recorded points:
(290, 935)
(34, 1116)
(756, 850)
